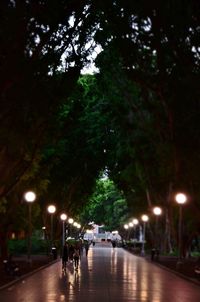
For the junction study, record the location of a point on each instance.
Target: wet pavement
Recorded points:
(106, 275)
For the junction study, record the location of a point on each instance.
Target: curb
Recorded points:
(175, 272)
(195, 281)
(28, 274)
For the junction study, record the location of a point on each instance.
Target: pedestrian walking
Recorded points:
(86, 245)
(113, 243)
(71, 252)
(76, 256)
(65, 256)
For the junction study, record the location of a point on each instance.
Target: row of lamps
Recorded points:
(30, 197)
(181, 199)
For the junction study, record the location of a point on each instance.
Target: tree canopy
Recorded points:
(106, 206)
(138, 117)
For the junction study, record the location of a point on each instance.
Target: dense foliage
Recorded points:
(106, 206)
(138, 118)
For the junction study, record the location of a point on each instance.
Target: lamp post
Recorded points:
(145, 218)
(70, 220)
(30, 198)
(63, 217)
(180, 199)
(76, 232)
(126, 227)
(157, 211)
(129, 232)
(51, 209)
(78, 227)
(44, 232)
(135, 223)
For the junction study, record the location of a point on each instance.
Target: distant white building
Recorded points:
(97, 234)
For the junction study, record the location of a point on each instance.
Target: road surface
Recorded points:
(106, 275)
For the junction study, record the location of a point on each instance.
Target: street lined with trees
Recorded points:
(137, 118)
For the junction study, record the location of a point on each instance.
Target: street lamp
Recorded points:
(135, 223)
(129, 230)
(145, 218)
(44, 232)
(63, 217)
(76, 225)
(30, 198)
(126, 227)
(51, 209)
(70, 220)
(180, 199)
(157, 211)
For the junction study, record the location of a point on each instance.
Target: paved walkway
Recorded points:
(106, 275)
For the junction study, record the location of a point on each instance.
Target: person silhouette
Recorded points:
(76, 256)
(65, 256)
(86, 245)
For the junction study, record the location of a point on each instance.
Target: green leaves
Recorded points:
(105, 206)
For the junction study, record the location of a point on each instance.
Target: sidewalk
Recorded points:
(185, 270)
(106, 274)
(38, 261)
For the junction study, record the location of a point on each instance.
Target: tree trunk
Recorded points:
(167, 245)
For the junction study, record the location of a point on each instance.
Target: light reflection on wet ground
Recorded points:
(106, 275)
